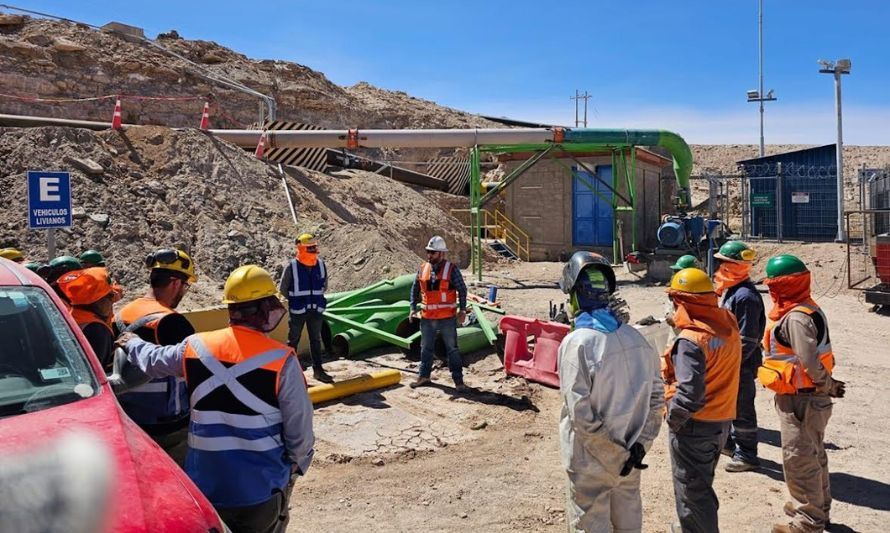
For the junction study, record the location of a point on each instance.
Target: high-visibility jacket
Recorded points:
(782, 370)
(307, 289)
(236, 451)
(438, 298)
(723, 357)
(160, 401)
(84, 318)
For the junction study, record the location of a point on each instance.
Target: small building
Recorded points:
(792, 195)
(565, 206)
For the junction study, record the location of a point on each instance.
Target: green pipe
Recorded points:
(484, 324)
(675, 144)
(336, 327)
(385, 336)
(400, 306)
(353, 341)
(389, 291)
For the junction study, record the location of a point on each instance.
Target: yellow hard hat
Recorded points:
(247, 283)
(172, 259)
(12, 254)
(306, 238)
(692, 280)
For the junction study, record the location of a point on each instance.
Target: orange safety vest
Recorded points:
(782, 370)
(84, 318)
(440, 303)
(141, 307)
(722, 360)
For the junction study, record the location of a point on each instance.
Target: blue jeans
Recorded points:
(447, 328)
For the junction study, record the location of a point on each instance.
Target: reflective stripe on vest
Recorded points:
(235, 459)
(161, 400)
(782, 370)
(309, 295)
(723, 358)
(442, 302)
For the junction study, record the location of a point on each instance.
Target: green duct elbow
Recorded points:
(675, 144)
(682, 156)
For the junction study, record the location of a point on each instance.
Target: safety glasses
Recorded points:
(167, 257)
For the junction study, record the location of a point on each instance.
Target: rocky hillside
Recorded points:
(61, 60)
(153, 187)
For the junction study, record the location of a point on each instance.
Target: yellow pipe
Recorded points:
(375, 380)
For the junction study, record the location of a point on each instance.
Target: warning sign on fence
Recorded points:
(800, 197)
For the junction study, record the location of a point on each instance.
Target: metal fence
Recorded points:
(868, 262)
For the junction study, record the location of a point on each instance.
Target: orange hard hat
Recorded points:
(86, 286)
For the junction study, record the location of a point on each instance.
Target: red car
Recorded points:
(52, 385)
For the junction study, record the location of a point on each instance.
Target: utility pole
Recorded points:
(579, 96)
(837, 68)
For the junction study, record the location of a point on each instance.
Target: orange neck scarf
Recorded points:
(729, 275)
(788, 292)
(700, 312)
(306, 257)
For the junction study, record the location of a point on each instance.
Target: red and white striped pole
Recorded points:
(205, 117)
(116, 119)
(261, 146)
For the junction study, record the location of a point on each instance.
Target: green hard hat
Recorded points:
(33, 266)
(783, 265)
(685, 261)
(66, 261)
(92, 258)
(736, 252)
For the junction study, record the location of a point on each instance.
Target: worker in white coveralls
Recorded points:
(612, 396)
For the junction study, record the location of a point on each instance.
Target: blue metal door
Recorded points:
(592, 216)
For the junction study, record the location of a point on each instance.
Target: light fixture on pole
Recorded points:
(838, 68)
(756, 95)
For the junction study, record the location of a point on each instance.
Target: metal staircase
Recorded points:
(500, 233)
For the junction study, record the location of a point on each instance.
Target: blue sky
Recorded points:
(682, 65)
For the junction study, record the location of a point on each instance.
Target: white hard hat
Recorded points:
(436, 244)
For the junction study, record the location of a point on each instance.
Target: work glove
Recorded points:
(837, 388)
(637, 452)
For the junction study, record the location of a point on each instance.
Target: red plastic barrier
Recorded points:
(539, 363)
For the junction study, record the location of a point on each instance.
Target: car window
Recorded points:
(41, 363)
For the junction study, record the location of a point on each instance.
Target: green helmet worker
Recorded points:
(92, 258)
(33, 266)
(232, 374)
(798, 363)
(608, 386)
(701, 376)
(12, 254)
(740, 297)
(685, 261)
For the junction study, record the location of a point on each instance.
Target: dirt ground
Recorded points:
(430, 460)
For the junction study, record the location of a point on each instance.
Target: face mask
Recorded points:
(273, 319)
(305, 256)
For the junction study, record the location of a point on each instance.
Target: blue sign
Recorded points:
(49, 199)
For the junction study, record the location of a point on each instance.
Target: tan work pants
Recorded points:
(802, 421)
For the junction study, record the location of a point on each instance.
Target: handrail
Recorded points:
(496, 225)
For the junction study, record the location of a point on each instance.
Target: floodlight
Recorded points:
(753, 94)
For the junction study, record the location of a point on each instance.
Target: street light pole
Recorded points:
(837, 69)
(841, 232)
(760, 47)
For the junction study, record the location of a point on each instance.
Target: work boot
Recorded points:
(320, 375)
(738, 465)
(460, 386)
(421, 382)
(789, 509)
(727, 452)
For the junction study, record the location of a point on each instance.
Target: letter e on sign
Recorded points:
(49, 189)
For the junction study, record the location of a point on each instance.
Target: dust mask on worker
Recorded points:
(589, 303)
(274, 314)
(729, 275)
(307, 254)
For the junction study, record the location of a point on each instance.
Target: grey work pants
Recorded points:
(742, 442)
(802, 421)
(602, 502)
(695, 450)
